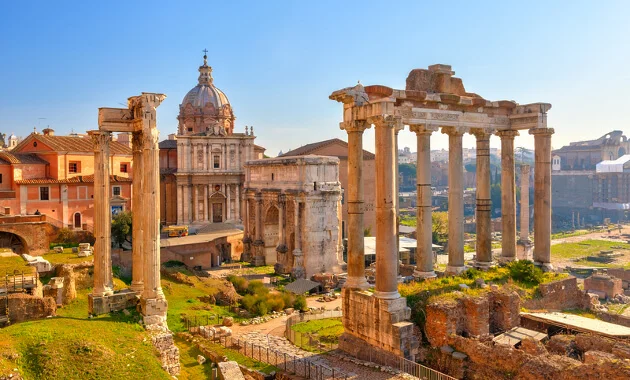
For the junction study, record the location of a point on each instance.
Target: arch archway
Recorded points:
(13, 242)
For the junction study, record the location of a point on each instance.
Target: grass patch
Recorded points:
(586, 248)
(581, 313)
(327, 331)
(67, 257)
(190, 369)
(13, 263)
(239, 358)
(560, 235)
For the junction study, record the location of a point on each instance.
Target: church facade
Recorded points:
(202, 172)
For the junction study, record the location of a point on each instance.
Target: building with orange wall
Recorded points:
(54, 175)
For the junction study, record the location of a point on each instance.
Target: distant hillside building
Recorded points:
(591, 178)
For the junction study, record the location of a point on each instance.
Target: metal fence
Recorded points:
(294, 365)
(202, 320)
(311, 342)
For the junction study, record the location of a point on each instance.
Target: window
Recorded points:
(74, 167)
(116, 191)
(0, 177)
(216, 161)
(44, 193)
(124, 167)
(82, 192)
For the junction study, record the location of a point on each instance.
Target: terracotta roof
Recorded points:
(311, 148)
(21, 158)
(77, 179)
(72, 144)
(168, 144)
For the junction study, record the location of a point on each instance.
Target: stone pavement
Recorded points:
(337, 361)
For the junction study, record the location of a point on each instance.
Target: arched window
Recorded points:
(77, 220)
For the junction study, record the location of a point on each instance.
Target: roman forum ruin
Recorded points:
(433, 100)
(140, 120)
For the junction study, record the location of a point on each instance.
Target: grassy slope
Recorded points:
(71, 346)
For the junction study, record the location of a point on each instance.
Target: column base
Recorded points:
(137, 287)
(154, 311)
(360, 283)
(418, 275)
(103, 304)
(524, 249)
(506, 259)
(546, 267)
(483, 265)
(455, 270)
(387, 295)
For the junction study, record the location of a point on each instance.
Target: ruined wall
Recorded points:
(24, 307)
(75, 277)
(603, 285)
(559, 295)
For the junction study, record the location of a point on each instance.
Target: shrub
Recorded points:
(275, 302)
(471, 273)
(525, 271)
(173, 264)
(300, 303)
(288, 299)
(257, 287)
(248, 302)
(240, 284)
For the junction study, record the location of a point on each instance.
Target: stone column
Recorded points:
(484, 205)
(102, 216)
(137, 269)
(205, 203)
(542, 196)
(180, 204)
(424, 227)
(282, 243)
(508, 196)
(356, 254)
(195, 203)
(259, 245)
(455, 200)
(153, 302)
(237, 201)
(386, 247)
(298, 270)
(247, 236)
(228, 211)
(524, 232)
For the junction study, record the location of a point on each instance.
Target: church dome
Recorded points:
(205, 92)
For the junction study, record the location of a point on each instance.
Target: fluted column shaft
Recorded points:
(228, 212)
(298, 271)
(542, 196)
(455, 200)
(151, 222)
(180, 204)
(258, 218)
(524, 232)
(102, 215)
(508, 195)
(484, 204)
(356, 256)
(424, 226)
(386, 199)
(205, 203)
(137, 272)
(195, 203)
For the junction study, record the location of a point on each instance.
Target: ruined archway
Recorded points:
(271, 234)
(14, 242)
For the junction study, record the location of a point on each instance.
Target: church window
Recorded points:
(0, 177)
(216, 161)
(124, 167)
(116, 190)
(44, 193)
(189, 129)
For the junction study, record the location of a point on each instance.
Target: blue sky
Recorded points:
(278, 61)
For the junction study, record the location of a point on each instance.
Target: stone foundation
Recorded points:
(169, 353)
(604, 286)
(375, 326)
(524, 250)
(559, 295)
(120, 300)
(154, 311)
(24, 307)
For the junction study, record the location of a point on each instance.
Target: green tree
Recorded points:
(121, 227)
(439, 221)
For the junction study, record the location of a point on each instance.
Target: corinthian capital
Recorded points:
(136, 141)
(482, 133)
(454, 131)
(541, 131)
(507, 134)
(387, 121)
(354, 125)
(423, 129)
(101, 140)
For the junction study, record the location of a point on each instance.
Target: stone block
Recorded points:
(58, 249)
(608, 285)
(230, 371)
(597, 357)
(120, 300)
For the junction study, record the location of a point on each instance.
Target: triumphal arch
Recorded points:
(432, 101)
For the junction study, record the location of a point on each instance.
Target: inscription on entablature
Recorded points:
(445, 116)
(525, 120)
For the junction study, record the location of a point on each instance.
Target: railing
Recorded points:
(18, 282)
(311, 341)
(201, 320)
(294, 365)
